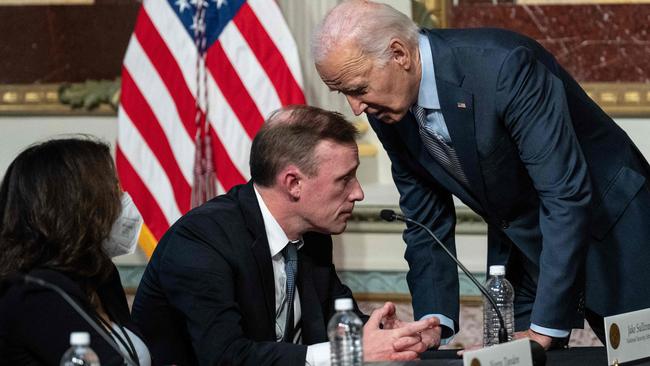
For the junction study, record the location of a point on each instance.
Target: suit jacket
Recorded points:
(557, 181)
(208, 295)
(35, 322)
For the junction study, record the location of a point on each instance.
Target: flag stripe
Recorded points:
(159, 99)
(144, 162)
(229, 129)
(145, 202)
(240, 102)
(180, 44)
(226, 172)
(270, 57)
(269, 15)
(249, 69)
(140, 114)
(166, 66)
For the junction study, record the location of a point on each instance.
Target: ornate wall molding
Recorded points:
(431, 13)
(87, 98)
(101, 98)
(366, 285)
(365, 219)
(621, 99)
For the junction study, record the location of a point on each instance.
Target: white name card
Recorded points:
(628, 336)
(514, 353)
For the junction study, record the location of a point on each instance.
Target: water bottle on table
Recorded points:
(79, 353)
(504, 295)
(345, 331)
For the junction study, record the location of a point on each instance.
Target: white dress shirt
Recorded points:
(317, 354)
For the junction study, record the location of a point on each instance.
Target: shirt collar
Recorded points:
(274, 234)
(428, 93)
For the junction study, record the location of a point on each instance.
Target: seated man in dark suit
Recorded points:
(218, 288)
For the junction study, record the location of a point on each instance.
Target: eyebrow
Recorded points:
(352, 170)
(349, 90)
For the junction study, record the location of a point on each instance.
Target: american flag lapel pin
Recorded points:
(461, 105)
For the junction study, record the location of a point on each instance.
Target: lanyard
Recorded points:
(123, 339)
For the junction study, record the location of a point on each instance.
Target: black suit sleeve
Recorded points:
(35, 328)
(199, 281)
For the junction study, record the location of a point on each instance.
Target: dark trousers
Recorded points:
(597, 324)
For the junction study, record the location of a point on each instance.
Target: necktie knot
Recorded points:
(290, 251)
(420, 114)
(438, 147)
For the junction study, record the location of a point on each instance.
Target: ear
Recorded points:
(400, 53)
(290, 179)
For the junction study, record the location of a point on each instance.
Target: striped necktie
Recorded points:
(438, 148)
(290, 253)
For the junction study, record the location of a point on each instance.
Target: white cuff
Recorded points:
(555, 333)
(445, 322)
(318, 354)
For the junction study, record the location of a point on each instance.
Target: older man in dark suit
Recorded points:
(247, 278)
(489, 116)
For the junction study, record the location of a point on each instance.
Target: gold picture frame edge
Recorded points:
(42, 99)
(45, 2)
(616, 99)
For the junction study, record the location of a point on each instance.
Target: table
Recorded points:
(576, 356)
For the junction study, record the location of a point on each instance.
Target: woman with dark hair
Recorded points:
(62, 218)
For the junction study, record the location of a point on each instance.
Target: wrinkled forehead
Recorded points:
(344, 66)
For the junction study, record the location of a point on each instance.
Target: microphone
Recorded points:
(24, 278)
(390, 215)
(538, 353)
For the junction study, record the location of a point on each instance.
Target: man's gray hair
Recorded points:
(369, 25)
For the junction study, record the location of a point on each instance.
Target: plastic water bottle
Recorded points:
(79, 353)
(345, 332)
(504, 295)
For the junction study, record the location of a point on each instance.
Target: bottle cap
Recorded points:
(79, 339)
(343, 304)
(497, 270)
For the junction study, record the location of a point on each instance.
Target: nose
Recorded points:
(356, 104)
(357, 192)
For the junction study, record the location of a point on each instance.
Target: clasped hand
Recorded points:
(398, 340)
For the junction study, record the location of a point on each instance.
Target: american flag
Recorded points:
(170, 105)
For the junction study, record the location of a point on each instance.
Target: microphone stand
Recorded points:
(390, 215)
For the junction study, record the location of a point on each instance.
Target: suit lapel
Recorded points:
(260, 249)
(457, 105)
(313, 324)
(408, 129)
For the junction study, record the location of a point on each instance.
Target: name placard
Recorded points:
(628, 336)
(514, 353)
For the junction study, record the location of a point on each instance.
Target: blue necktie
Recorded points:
(438, 148)
(290, 254)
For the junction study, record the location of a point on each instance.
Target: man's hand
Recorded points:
(430, 337)
(543, 340)
(398, 340)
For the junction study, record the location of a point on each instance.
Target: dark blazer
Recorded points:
(35, 322)
(208, 296)
(556, 180)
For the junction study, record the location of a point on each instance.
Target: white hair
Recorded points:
(369, 25)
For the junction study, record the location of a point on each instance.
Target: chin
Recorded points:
(392, 118)
(338, 230)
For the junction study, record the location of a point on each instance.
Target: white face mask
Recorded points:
(124, 234)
